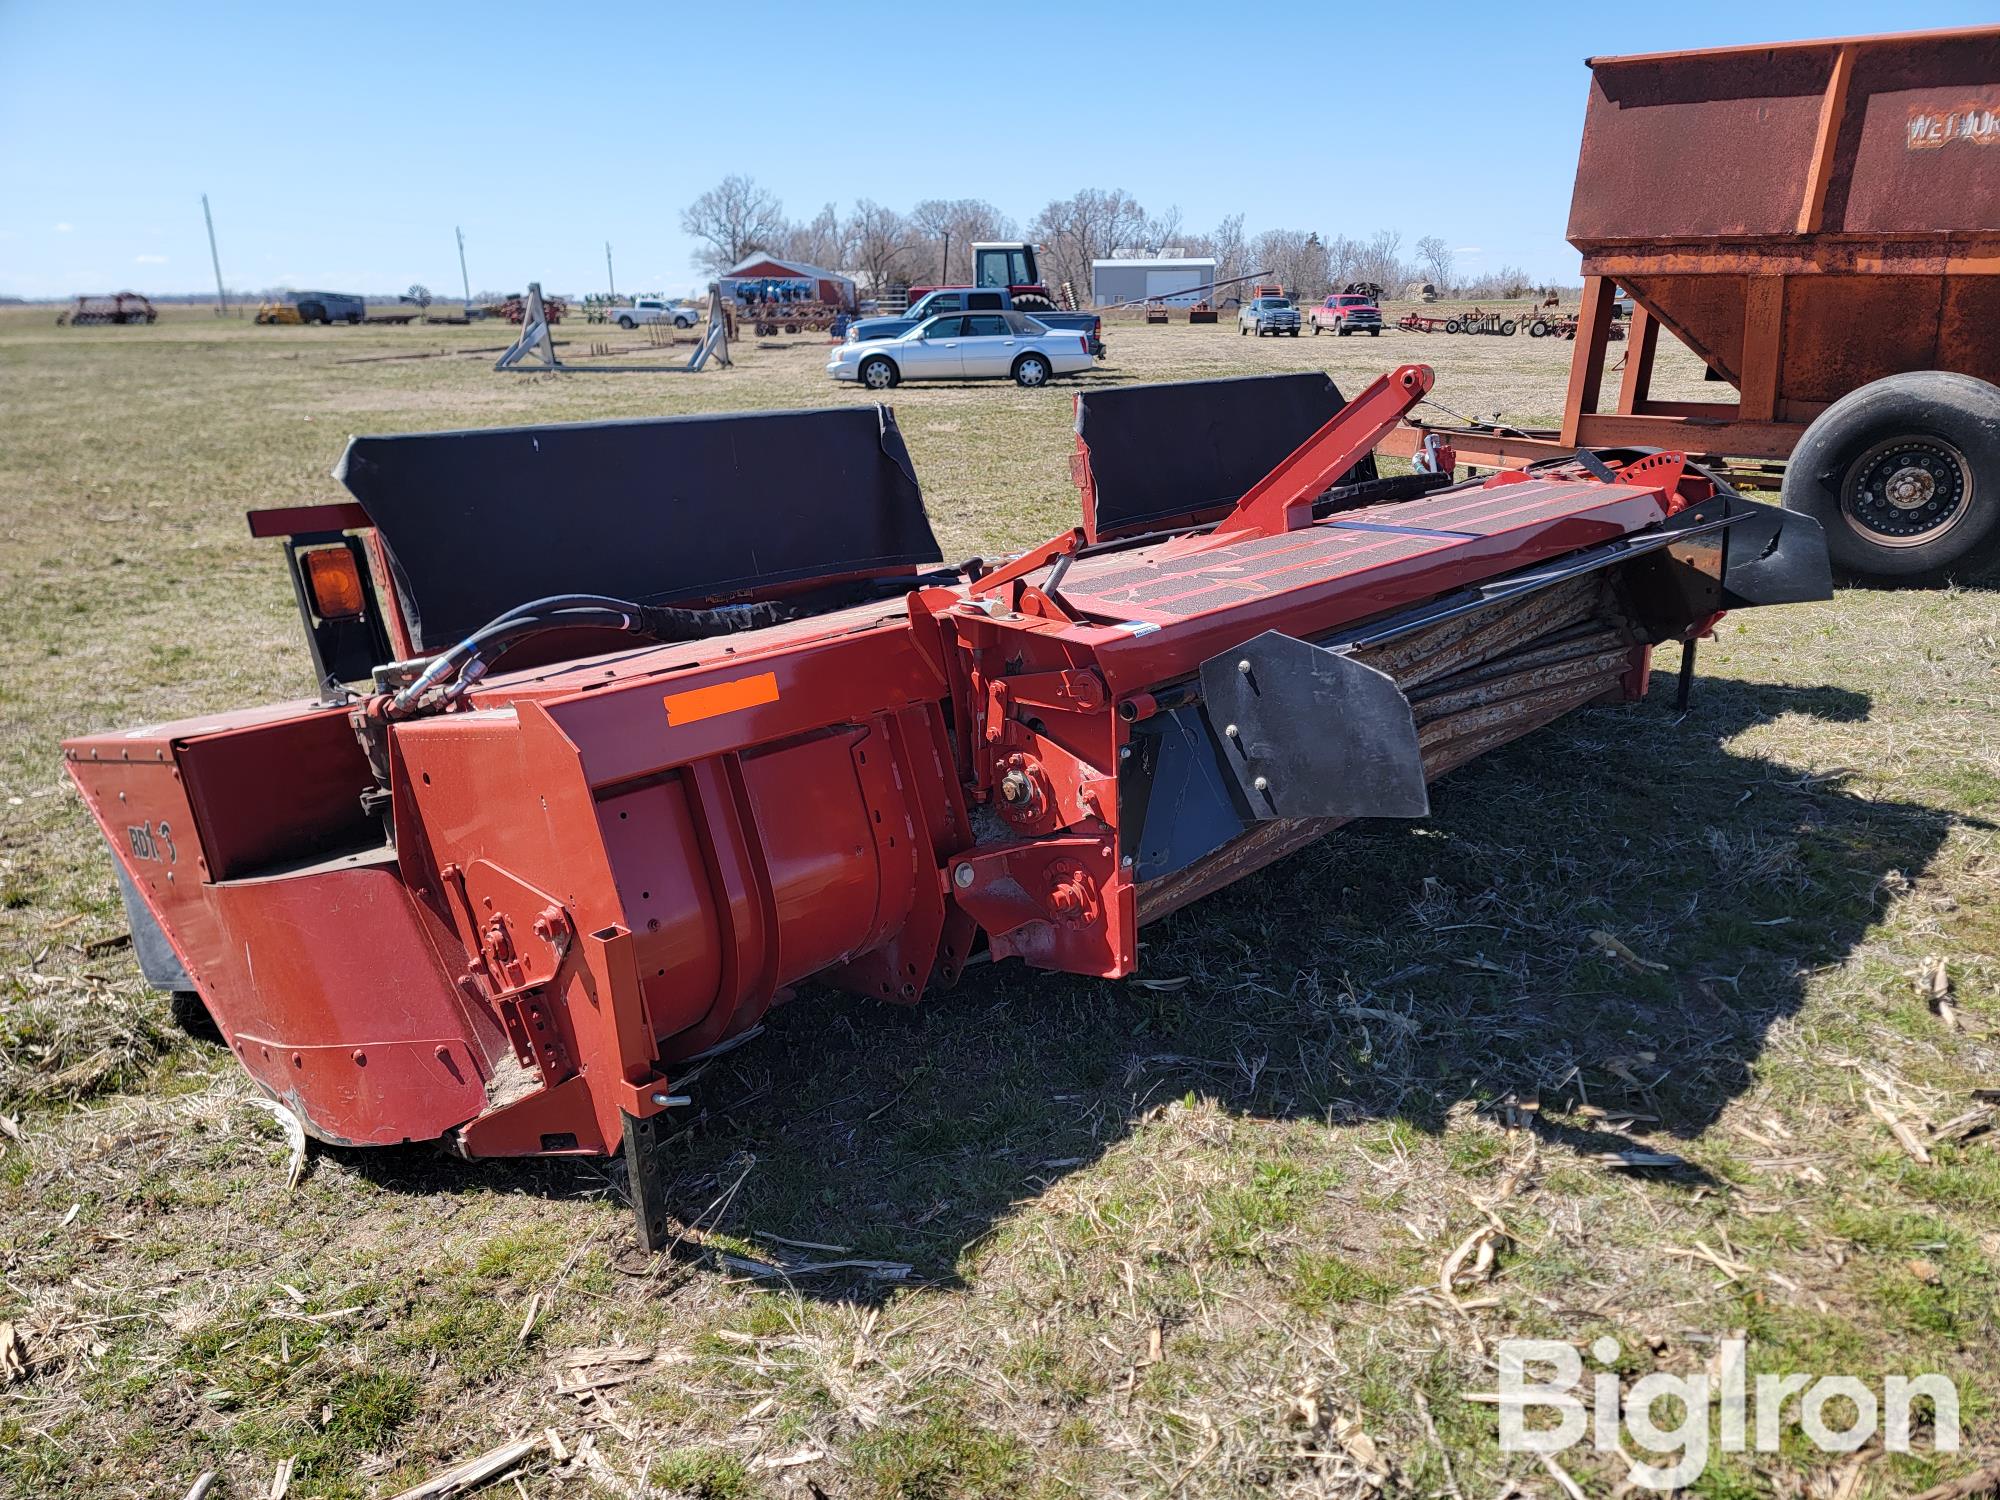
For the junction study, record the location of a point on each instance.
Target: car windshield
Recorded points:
(1274, 301)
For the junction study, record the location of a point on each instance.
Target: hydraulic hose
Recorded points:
(471, 659)
(474, 656)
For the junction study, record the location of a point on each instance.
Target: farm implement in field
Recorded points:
(1474, 320)
(657, 721)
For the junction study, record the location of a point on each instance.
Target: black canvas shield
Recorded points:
(1163, 456)
(664, 510)
(1312, 733)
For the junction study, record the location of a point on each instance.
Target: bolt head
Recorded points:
(1124, 753)
(1261, 784)
(1231, 730)
(1243, 666)
(962, 877)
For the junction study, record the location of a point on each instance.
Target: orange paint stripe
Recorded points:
(721, 698)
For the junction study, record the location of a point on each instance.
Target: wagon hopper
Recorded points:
(1820, 223)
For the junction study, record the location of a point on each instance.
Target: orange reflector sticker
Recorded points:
(721, 698)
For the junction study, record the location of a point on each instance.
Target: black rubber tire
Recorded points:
(1241, 331)
(1345, 330)
(1295, 333)
(627, 324)
(1538, 329)
(1032, 361)
(890, 380)
(683, 322)
(1507, 327)
(1317, 330)
(1953, 423)
(1374, 333)
(1451, 325)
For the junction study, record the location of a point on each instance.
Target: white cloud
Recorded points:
(65, 227)
(1466, 250)
(149, 260)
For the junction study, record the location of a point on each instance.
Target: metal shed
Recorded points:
(1179, 280)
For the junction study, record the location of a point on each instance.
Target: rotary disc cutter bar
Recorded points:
(659, 720)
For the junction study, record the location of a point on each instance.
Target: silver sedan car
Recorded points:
(965, 346)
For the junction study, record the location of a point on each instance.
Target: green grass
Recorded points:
(1251, 1167)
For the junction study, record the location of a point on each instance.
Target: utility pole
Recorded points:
(944, 265)
(221, 297)
(464, 280)
(612, 280)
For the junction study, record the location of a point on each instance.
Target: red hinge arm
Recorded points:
(1282, 500)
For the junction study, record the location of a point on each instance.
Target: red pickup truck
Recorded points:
(1345, 313)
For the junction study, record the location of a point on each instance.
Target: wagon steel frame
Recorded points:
(1781, 210)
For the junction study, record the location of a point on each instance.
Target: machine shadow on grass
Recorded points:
(1389, 973)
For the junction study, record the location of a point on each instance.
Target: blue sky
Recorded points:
(339, 145)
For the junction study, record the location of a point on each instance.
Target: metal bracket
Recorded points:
(648, 1178)
(1311, 733)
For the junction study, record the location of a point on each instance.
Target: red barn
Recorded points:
(806, 283)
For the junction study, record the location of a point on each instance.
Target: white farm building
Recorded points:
(1179, 280)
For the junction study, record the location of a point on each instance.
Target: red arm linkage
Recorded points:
(1282, 500)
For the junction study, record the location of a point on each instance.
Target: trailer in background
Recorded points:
(1820, 223)
(118, 307)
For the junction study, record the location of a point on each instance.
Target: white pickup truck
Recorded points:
(655, 310)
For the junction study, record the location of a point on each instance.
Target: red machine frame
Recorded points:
(598, 869)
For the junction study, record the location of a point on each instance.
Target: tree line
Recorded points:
(882, 246)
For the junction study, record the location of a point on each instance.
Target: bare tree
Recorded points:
(1163, 235)
(1508, 281)
(1296, 260)
(1434, 261)
(1226, 245)
(946, 230)
(1381, 261)
(1088, 226)
(825, 240)
(732, 219)
(884, 245)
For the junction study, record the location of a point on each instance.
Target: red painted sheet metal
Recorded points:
(1337, 571)
(605, 868)
(301, 966)
(1721, 144)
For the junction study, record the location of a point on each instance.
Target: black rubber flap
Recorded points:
(1311, 733)
(664, 510)
(1171, 455)
(1774, 556)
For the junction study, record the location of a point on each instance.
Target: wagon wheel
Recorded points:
(1451, 325)
(1507, 327)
